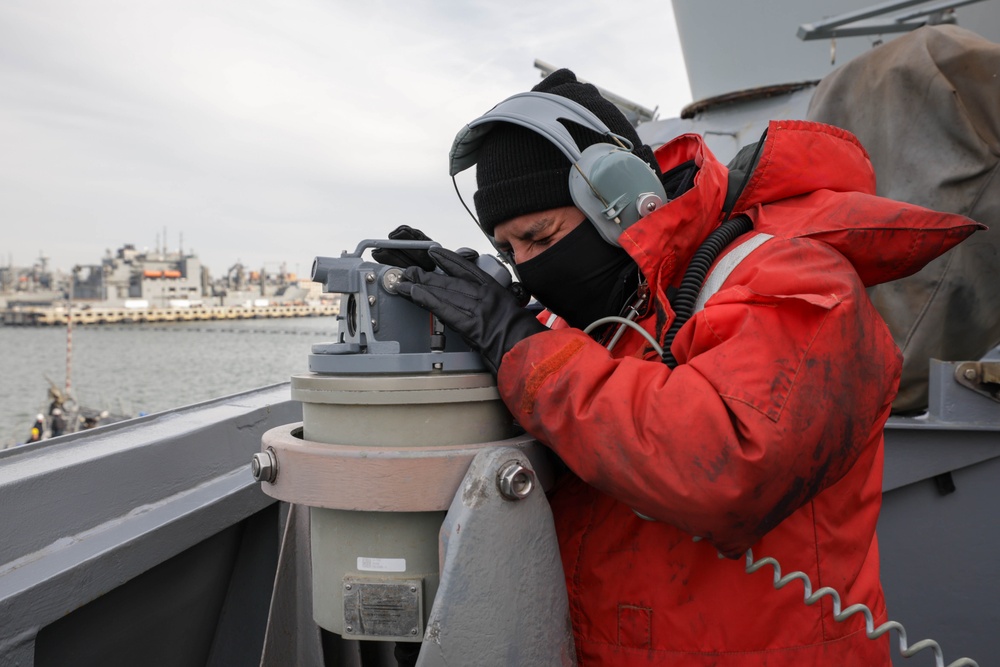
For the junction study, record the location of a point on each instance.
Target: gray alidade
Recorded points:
(380, 331)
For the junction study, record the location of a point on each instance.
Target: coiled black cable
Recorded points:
(687, 294)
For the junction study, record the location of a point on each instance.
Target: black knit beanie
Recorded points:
(519, 171)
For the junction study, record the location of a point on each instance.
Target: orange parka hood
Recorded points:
(796, 165)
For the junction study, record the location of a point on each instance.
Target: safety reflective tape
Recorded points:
(725, 266)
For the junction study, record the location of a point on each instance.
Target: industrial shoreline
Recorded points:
(63, 314)
(135, 287)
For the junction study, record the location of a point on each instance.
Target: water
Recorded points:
(134, 369)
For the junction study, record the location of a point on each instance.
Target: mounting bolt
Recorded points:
(413, 589)
(515, 481)
(970, 373)
(347, 587)
(349, 628)
(413, 631)
(371, 301)
(369, 277)
(264, 466)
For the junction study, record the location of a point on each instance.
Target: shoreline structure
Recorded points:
(132, 286)
(60, 315)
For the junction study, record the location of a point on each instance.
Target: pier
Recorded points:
(60, 315)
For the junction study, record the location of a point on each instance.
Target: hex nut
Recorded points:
(515, 481)
(264, 466)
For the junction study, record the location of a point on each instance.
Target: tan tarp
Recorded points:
(926, 106)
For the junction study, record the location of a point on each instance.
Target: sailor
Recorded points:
(58, 422)
(759, 425)
(37, 429)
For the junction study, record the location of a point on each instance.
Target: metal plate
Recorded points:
(383, 608)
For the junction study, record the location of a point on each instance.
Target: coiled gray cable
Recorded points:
(871, 631)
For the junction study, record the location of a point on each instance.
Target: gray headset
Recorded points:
(613, 186)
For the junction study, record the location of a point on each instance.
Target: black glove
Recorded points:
(471, 302)
(404, 257)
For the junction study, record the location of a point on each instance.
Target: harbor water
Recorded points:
(142, 369)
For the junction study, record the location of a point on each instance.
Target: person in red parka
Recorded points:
(742, 410)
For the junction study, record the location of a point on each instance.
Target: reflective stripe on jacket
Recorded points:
(767, 434)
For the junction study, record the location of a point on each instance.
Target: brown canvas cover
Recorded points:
(926, 106)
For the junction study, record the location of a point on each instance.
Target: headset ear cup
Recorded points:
(607, 183)
(588, 199)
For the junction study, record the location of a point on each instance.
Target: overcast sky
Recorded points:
(268, 132)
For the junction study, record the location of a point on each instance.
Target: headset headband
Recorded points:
(539, 112)
(613, 186)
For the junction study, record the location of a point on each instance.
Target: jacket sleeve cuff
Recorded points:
(530, 363)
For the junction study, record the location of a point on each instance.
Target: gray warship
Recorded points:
(381, 510)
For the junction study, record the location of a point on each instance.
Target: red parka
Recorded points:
(767, 434)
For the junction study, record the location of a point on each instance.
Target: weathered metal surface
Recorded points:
(938, 528)
(87, 514)
(502, 599)
(939, 571)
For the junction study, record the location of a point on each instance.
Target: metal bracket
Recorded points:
(501, 571)
(957, 393)
(855, 24)
(982, 377)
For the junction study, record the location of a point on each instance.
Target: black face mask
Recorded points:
(581, 278)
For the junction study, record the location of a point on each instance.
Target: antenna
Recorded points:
(831, 28)
(636, 113)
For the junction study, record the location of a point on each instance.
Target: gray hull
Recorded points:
(149, 542)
